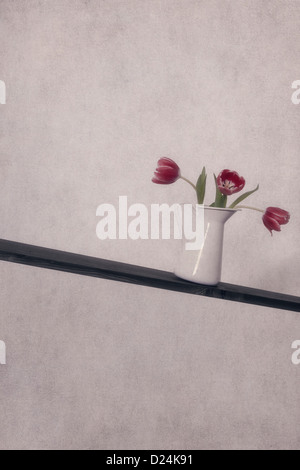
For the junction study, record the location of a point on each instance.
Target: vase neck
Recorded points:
(218, 215)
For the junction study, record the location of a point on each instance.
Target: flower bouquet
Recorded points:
(205, 265)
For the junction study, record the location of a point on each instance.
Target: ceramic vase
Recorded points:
(204, 264)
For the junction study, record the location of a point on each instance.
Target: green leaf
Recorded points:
(242, 197)
(221, 199)
(201, 186)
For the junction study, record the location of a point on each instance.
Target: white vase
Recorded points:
(204, 265)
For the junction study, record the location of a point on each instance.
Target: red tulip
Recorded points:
(274, 217)
(230, 182)
(167, 172)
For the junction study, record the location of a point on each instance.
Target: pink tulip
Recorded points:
(167, 172)
(274, 217)
(230, 182)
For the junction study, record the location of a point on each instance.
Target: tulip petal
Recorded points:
(165, 161)
(167, 171)
(280, 215)
(230, 182)
(271, 224)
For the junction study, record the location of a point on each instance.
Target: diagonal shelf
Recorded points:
(47, 258)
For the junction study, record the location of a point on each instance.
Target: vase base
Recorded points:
(202, 282)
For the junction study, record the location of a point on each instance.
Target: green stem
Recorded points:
(249, 207)
(188, 181)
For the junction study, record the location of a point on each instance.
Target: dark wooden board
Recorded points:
(95, 267)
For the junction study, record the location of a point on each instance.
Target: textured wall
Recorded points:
(96, 92)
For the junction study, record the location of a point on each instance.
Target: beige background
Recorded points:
(97, 91)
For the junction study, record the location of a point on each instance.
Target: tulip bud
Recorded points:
(167, 172)
(274, 217)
